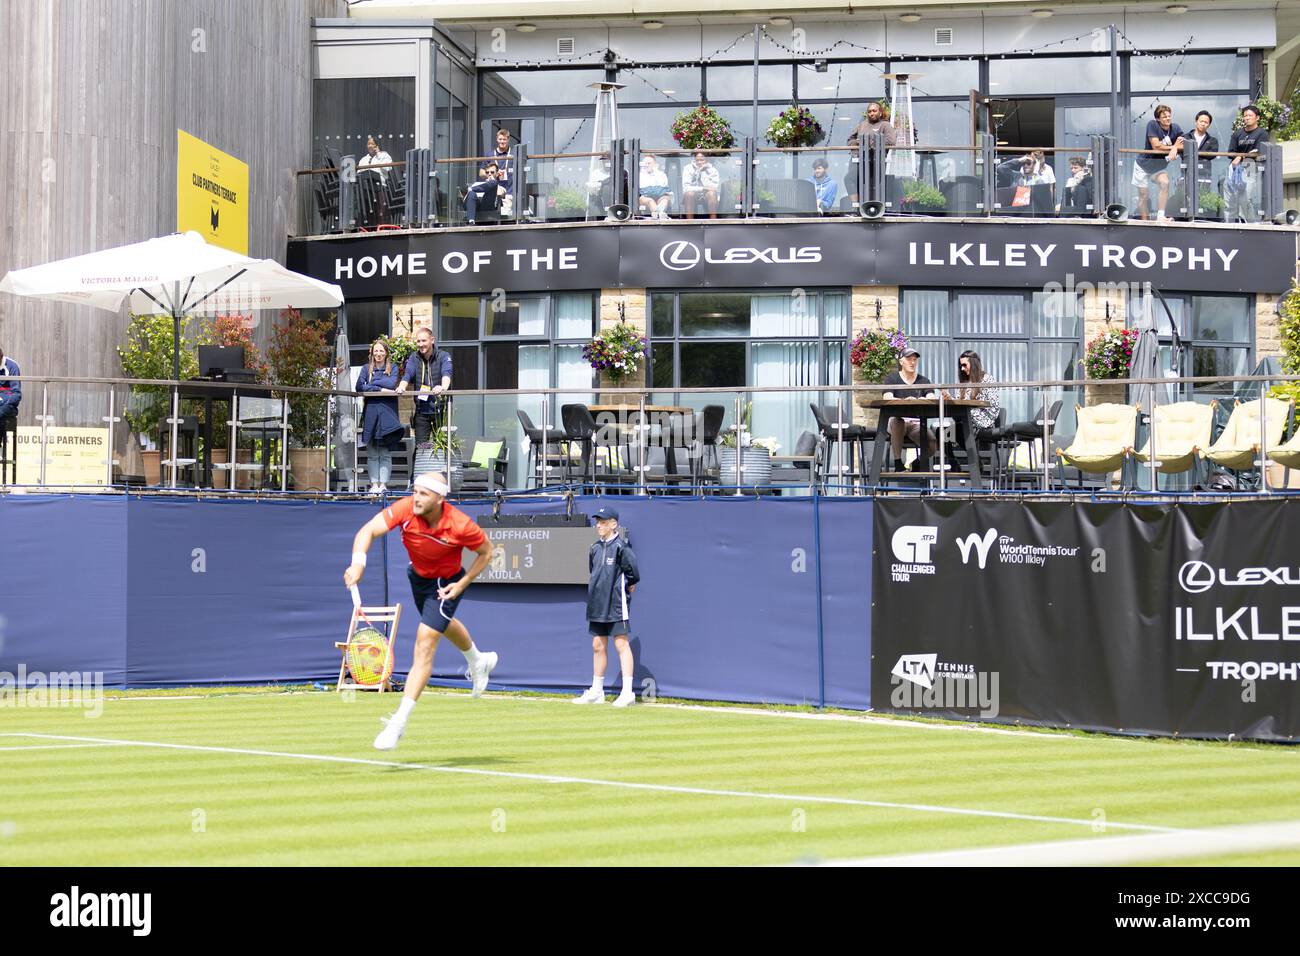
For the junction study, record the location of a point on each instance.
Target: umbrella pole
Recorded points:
(176, 345)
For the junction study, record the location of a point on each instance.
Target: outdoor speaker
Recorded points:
(1117, 212)
(619, 212)
(871, 209)
(1288, 217)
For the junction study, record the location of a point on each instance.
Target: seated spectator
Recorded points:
(700, 184)
(970, 372)
(486, 194)
(826, 188)
(11, 393)
(654, 195)
(909, 428)
(1077, 199)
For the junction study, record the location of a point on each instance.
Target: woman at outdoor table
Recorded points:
(971, 370)
(382, 430)
(910, 428)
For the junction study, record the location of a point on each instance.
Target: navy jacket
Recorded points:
(418, 373)
(380, 418)
(613, 570)
(11, 393)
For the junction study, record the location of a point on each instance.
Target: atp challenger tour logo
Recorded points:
(680, 255)
(911, 545)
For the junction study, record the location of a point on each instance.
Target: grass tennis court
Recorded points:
(291, 778)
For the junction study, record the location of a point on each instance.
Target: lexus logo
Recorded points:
(680, 255)
(1196, 576)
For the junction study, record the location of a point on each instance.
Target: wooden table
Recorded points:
(924, 409)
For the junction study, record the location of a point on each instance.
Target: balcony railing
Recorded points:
(119, 435)
(754, 182)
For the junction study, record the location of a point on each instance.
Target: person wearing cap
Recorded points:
(909, 428)
(434, 534)
(614, 577)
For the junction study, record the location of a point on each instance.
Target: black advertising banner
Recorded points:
(838, 252)
(1165, 619)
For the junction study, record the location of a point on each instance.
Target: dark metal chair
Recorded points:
(9, 449)
(834, 428)
(555, 458)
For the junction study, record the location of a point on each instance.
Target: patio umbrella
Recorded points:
(177, 275)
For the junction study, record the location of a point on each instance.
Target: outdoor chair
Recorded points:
(1238, 445)
(1182, 433)
(1103, 442)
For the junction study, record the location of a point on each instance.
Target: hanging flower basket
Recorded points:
(703, 128)
(795, 126)
(617, 352)
(1110, 354)
(874, 353)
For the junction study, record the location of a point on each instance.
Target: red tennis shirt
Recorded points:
(434, 549)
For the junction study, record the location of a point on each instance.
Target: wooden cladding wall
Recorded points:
(93, 93)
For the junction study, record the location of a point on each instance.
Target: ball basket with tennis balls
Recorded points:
(366, 658)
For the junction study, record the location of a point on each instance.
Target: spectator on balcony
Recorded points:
(382, 431)
(913, 383)
(827, 189)
(428, 371)
(487, 194)
(375, 157)
(1206, 142)
(1243, 174)
(653, 195)
(11, 393)
(1163, 134)
(877, 121)
(502, 155)
(1077, 198)
(700, 184)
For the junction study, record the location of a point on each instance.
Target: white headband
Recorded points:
(429, 483)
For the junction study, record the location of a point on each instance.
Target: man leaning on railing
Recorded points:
(11, 392)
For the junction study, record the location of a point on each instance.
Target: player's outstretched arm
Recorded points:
(372, 530)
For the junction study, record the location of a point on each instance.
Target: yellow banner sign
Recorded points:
(211, 193)
(73, 456)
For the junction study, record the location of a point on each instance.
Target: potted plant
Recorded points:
(1209, 204)
(1108, 357)
(618, 354)
(793, 127)
(568, 202)
(148, 355)
(874, 353)
(919, 197)
(703, 128)
(755, 453)
(432, 456)
(300, 355)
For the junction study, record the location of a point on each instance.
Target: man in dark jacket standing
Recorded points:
(614, 577)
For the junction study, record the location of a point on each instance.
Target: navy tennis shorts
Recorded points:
(433, 612)
(608, 628)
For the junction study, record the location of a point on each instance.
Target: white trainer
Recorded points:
(590, 696)
(480, 671)
(388, 737)
(626, 699)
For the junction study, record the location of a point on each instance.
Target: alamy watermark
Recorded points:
(960, 691)
(1059, 299)
(83, 689)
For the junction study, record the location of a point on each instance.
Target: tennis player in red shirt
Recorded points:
(434, 534)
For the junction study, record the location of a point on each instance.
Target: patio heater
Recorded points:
(902, 162)
(603, 174)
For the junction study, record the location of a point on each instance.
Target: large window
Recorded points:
(1199, 335)
(346, 111)
(1019, 335)
(741, 338)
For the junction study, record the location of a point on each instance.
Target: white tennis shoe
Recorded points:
(590, 696)
(480, 671)
(626, 699)
(388, 737)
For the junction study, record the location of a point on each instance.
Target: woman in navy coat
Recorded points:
(381, 430)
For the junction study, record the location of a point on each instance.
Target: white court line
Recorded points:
(617, 784)
(55, 746)
(1107, 851)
